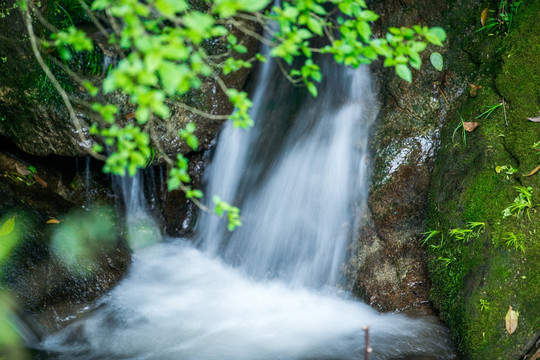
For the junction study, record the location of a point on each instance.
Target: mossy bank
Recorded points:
(479, 270)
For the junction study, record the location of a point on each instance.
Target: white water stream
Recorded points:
(268, 290)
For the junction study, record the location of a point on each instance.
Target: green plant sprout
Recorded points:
(461, 234)
(473, 231)
(501, 20)
(446, 261)
(462, 126)
(507, 169)
(484, 305)
(522, 203)
(515, 241)
(489, 111)
(431, 234)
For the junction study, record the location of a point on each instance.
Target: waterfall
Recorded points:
(297, 199)
(268, 290)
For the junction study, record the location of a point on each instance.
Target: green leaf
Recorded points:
(312, 89)
(315, 26)
(7, 227)
(404, 72)
(92, 90)
(435, 36)
(436, 60)
(439, 33)
(368, 15)
(260, 57)
(240, 49)
(364, 30)
(232, 39)
(192, 142)
(171, 7)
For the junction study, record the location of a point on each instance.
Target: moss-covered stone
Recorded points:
(476, 280)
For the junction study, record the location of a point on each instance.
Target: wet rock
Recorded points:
(393, 274)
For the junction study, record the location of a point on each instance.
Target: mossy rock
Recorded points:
(476, 279)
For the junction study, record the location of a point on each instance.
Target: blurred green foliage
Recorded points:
(83, 237)
(10, 341)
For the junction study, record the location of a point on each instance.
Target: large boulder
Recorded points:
(390, 262)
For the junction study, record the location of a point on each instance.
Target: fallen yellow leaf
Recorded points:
(484, 16)
(53, 221)
(511, 320)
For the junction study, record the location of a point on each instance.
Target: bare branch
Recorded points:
(202, 113)
(286, 74)
(253, 34)
(41, 19)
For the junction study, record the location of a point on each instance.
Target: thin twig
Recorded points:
(258, 19)
(92, 17)
(41, 19)
(504, 111)
(63, 94)
(286, 74)
(367, 349)
(101, 28)
(202, 113)
(251, 33)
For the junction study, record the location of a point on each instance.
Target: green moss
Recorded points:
(466, 187)
(519, 83)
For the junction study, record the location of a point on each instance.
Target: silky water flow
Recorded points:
(270, 289)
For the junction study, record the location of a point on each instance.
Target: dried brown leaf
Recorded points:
(484, 16)
(53, 221)
(39, 180)
(23, 170)
(474, 89)
(534, 119)
(533, 171)
(129, 116)
(470, 126)
(511, 320)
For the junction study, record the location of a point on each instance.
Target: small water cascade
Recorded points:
(268, 290)
(142, 230)
(298, 198)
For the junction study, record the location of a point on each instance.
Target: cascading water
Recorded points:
(268, 290)
(298, 199)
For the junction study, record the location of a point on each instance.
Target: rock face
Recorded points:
(33, 116)
(392, 270)
(432, 176)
